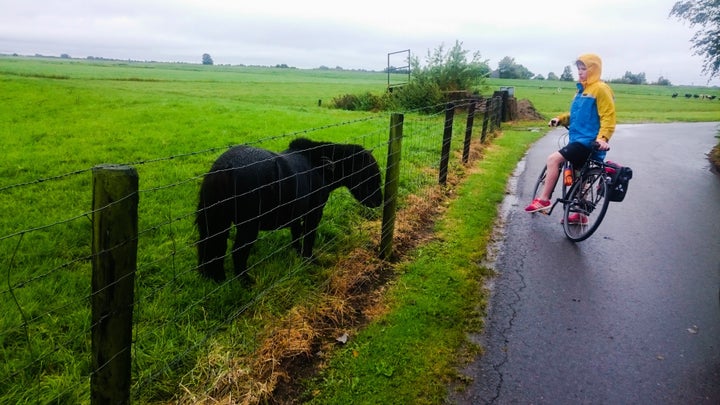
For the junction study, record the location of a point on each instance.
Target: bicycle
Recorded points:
(586, 198)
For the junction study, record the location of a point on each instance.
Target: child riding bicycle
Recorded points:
(591, 119)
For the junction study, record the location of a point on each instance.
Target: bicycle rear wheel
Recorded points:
(586, 206)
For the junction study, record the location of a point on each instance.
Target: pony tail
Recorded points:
(213, 219)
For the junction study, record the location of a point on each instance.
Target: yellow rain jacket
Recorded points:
(592, 113)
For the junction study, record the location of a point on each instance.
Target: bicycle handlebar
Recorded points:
(596, 146)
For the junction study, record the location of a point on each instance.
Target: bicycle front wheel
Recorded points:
(586, 205)
(540, 183)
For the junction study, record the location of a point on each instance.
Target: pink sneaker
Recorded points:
(577, 219)
(537, 205)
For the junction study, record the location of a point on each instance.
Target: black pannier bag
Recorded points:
(620, 179)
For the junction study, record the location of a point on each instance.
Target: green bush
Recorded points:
(346, 102)
(363, 102)
(451, 70)
(419, 94)
(445, 75)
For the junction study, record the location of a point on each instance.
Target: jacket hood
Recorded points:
(593, 63)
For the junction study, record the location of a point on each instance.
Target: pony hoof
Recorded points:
(246, 281)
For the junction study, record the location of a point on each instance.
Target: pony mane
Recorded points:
(324, 153)
(302, 144)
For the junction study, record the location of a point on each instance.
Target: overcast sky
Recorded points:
(544, 36)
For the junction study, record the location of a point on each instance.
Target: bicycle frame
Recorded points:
(590, 163)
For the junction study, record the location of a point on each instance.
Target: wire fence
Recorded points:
(48, 345)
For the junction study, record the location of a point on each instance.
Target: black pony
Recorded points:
(256, 190)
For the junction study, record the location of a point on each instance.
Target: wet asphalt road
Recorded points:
(629, 316)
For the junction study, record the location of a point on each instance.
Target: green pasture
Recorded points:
(59, 118)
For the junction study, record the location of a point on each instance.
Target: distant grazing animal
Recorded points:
(674, 95)
(688, 95)
(256, 189)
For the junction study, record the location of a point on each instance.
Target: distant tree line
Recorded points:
(509, 69)
(639, 78)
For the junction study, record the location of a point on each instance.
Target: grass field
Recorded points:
(59, 118)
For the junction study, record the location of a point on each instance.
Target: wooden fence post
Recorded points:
(447, 138)
(468, 131)
(497, 111)
(494, 121)
(392, 180)
(486, 118)
(114, 248)
(504, 111)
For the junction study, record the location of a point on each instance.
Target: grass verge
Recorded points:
(410, 353)
(714, 157)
